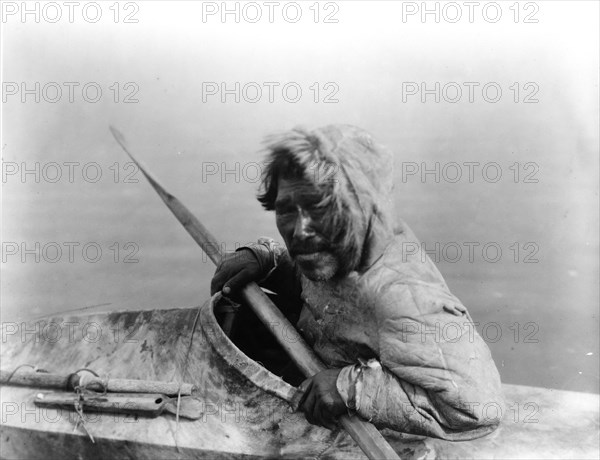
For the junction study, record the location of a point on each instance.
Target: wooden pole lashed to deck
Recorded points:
(68, 382)
(364, 433)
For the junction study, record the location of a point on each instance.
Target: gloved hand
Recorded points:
(321, 402)
(235, 271)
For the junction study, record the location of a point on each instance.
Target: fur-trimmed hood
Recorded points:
(356, 176)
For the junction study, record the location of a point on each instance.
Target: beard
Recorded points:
(317, 266)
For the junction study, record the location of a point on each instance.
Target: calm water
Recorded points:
(540, 318)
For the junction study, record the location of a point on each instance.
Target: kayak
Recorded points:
(245, 409)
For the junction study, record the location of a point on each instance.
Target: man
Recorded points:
(401, 349)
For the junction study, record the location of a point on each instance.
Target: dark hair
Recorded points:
(293, 154)
(280, 163)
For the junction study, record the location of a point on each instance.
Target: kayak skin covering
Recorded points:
(244, 410)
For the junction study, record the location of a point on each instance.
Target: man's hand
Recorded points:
(235, 271)
(321, 402)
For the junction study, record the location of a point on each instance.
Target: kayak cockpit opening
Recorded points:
(258, 342)
(251, 348)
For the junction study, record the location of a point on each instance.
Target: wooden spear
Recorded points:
(364, 433)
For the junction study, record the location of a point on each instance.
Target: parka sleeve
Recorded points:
(435, 375)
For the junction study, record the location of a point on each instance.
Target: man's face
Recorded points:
(301, 224)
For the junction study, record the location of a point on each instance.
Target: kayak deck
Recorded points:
(245, 410)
